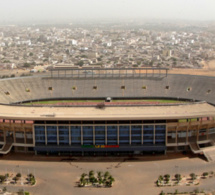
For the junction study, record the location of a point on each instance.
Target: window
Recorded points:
(167, 87)
(123, 87)
(94, 87)
(50, 88)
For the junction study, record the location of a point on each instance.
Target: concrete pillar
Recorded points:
(166, 134)
(188, 127)
(94, 136)
(197, 137)
(58, 135)
(14, 136)
(82, 135)
(142, 135)
(70, 135)
(4, 131)
(105, 134)
(33, 135)
(187, 134)
(176, 136)
(45, 135)
(207, 132)
(118, 134)
(130, 134)
(25, 136)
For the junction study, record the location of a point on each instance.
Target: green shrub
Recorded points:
(2, 178)
(205, 174)
(18, 175)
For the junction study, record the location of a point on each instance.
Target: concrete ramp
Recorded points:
(195, 148)
(209, 153)
(6, 148)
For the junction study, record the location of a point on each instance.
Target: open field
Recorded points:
(135, 176)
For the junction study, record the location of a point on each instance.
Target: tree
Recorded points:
(162, 193)
(106, 174)
(80, 63)
(91, 173)
(26, 65)
(2, 178)
(110, 180)
(21, 192)
(176, 191)
(160, 178)
(151, 63)
(92, 178)
(4, 189)
(99, 175)
(178, 177)
(167, 177)
(99, 59)
(15, 179)
(18, 175)
(205, 174)
(193, 176)
(83, 179)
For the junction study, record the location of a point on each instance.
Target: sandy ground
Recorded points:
(132, 177)
(208, 70)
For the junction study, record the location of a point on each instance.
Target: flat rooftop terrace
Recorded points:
(107, 113)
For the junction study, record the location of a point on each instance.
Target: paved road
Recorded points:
(131, 177)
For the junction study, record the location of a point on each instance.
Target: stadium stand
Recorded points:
(108, 129)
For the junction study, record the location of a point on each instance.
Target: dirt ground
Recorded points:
(208, 70)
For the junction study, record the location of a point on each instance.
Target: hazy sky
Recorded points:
(39, 10)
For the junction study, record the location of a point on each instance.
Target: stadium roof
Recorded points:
(108, 113)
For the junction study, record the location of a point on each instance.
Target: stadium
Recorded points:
(108, 112)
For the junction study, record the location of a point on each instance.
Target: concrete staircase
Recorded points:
(7, 146)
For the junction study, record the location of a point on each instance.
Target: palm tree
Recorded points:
(160, 178)
(205, 174)
(110, 180)
(178, 177)
(92, 178)
(83, 175)
(167, 177)
(83, 179)
(193, 176)
(106, 175)
(99, 176)
(91, 174)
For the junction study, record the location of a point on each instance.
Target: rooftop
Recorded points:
(107, 113)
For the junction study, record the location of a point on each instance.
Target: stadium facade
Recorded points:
(114, 129)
